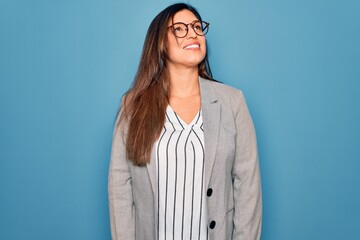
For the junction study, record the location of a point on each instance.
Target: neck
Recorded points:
(184, 82)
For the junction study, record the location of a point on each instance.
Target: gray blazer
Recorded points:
(231, 172)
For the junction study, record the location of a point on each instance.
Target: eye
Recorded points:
(197, 26)
(178, 29)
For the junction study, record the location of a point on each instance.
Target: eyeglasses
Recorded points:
(181, 29)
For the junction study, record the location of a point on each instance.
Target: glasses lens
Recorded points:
(180, 29)
(198, 28)
(201, 28)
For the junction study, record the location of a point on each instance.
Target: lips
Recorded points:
(192, 46)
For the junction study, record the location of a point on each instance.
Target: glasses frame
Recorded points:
(192, 26)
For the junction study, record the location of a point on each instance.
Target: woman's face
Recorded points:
(188, 51)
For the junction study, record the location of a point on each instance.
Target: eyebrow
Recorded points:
(197, 20)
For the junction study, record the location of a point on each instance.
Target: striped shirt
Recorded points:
(180, 177)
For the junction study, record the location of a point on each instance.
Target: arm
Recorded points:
(121, 206)
(246, 177)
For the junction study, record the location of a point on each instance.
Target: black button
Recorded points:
(209, 192)
(212, 224)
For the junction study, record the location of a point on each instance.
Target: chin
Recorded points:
(188, 61)
(194, 61)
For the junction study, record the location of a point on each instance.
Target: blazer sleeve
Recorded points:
(246, 176)
(122, 219)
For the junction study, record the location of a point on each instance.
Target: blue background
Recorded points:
(65, 64)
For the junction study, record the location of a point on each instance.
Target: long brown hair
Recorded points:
(143, 107)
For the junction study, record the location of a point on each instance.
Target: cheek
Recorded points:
(204, 45)
(204, 50)
(173, 46)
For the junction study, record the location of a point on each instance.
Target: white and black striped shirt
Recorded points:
(181, 203)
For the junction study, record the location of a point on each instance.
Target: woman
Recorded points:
(184, 161)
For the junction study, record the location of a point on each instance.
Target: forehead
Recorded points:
(185, 16)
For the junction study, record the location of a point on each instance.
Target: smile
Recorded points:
(192, 46)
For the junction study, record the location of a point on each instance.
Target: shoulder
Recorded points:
(222, 88)
(224, 93)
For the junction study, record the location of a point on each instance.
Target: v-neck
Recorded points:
(181, 121)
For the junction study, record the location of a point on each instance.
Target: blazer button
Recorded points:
(209, 192)
(212, 224)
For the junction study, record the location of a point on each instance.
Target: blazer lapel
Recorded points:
(211, 120)
(151, 168)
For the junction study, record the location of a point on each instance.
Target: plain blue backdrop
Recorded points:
(65, 64)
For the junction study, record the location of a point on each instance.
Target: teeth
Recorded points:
(192, 46)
